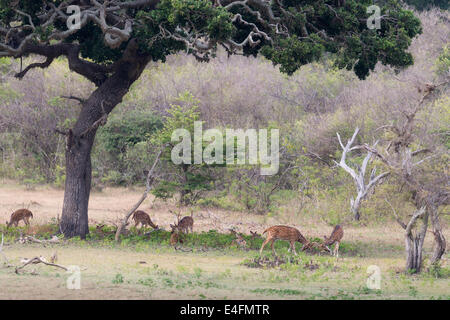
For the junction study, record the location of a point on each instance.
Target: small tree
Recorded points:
(363, 188)
(189, 180)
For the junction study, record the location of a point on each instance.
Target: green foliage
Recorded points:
(190, 179)
(309, 29)
(358, 47)
(437, 271)
(442, 64)
(122, 151)
(125, 130)
(118, 279)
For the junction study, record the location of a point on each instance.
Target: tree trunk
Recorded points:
(355, 205)
(439, 240)
(413, 254)
(74, 220)
(414, 246)
(77, 188)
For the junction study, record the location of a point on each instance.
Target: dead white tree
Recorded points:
(363, 188)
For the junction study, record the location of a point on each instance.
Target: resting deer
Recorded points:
(175, 235)
(21, 214)
(335, 238)
(255, 235)
(239, 241)
(186, 224)
(284, 233)
(144, 219)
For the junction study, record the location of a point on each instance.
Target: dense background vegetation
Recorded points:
(236, 92)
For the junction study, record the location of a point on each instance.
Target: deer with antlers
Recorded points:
(290, 234)
(184, 225)
(18, 215)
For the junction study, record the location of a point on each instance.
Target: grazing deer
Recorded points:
(335, 238)
(143, 218)
(185, 224)
(284, 233)
(175, 235)
(21, 214)
(239, 241)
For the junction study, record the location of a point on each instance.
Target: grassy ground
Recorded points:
(146, 267)
(164, 273)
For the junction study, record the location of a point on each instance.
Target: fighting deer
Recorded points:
(186, 224)
(239, 241)
(334, 238)
(21, 214)
(143, 218)
(284, 233)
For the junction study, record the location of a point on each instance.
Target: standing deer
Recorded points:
(284, 233)
(186, 224)
(21, 214)
(335, 238)
(239, 241)
(144, 219)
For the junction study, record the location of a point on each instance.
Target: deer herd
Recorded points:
(186, 225)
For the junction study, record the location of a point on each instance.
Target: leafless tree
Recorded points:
(363, 187)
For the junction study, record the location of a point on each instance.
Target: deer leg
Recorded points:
(293, 247)
(263, 245)
(329, 250)
(273, 249)
(336, 248)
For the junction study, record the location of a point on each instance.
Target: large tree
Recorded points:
(116, 39)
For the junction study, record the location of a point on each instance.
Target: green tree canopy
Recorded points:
(291, 33)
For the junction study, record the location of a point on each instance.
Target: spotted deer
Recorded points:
(186, 224)
(144, 219)
(21, 214)
(239, 241)
(334, 238)
(284, 233)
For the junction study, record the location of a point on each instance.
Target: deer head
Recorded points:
(254, 235)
